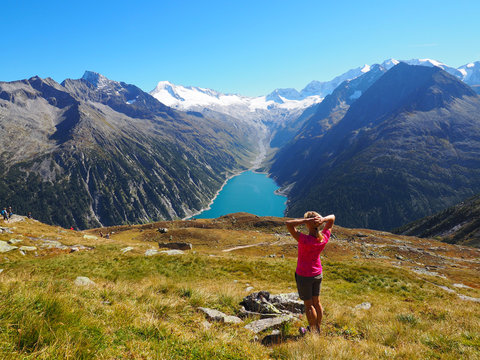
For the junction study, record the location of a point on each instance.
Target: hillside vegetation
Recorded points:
(422, 293)
(459, 224)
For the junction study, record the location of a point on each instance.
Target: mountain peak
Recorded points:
(96, 79)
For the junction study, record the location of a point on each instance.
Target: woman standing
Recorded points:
(308, 274)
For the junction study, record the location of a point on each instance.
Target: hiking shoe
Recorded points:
(302, 331)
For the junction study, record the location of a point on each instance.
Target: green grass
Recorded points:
(145, 308)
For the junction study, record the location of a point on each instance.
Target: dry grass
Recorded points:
(145, 307)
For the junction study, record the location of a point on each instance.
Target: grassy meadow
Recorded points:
(146, 307)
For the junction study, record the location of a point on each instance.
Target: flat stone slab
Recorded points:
(27, 248)
(151, 252)
(264, 324)
(6, 247)
(5, 230)
(364, 306)
(83, 281)
(172, 252)
(14, 241)
(90, 237)
(127, 249)
(53, 244)
(215, 315)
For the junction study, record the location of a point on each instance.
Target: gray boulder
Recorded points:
(215, 315)
(264, 303)
(5, 230)
(162, 230)
(288, 302)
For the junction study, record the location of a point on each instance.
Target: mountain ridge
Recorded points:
(79, 154)
(369, 167)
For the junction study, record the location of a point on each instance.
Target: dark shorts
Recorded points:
(308, 286)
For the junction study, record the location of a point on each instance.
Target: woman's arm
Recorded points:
(328, 220)
(292, 224)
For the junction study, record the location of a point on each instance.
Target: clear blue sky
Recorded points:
(246, 47)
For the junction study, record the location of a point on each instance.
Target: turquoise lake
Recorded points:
(248, 192)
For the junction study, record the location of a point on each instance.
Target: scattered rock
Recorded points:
(175, 245)
(53, 244)
(264, 303)
(263, 324)
(27, 248)
(16, 218)
(468, 298)
(462, 286)
(83, 281)
(127, 249)
(215, 315)
(249, 288)
(447, 289)
(162, 230)
(5, 247)
(14, 241)
(1, 270)
(399, 257)
(288, 302)
(272, 255)
(90, 237)
(172, 252)
(461, 296)
(22, 252)
(5, 230)
(421, 271)
(151, 252)
(206, 325)
(363, 306)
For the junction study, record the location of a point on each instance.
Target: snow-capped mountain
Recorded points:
(325, 88)
(471, 73)
(283, 104)
(276, 107)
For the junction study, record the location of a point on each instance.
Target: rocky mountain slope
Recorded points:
(459, 224)
(93, 151)
(406, 148)
(284, 111)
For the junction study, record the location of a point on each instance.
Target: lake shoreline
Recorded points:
(256, 163)
(248, 191)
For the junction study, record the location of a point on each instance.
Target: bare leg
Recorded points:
(311, 314)
(319, 311)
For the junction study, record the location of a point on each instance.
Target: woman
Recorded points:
(308, 274)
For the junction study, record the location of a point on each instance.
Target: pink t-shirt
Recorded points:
(309, 249)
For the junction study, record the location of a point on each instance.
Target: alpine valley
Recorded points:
(380, 145)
